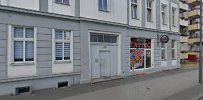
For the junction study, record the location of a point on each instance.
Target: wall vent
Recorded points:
(63, 84)
(22, 90)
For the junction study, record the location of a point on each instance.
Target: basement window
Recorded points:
(63, 84)
(21, 90)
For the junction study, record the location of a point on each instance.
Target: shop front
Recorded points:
(140, 54)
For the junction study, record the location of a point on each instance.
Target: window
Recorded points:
(163, 51)
(173, 16)
(149, 10)
(173, 47)
(103, 5)
(163, 13)
(62, 45)
(23, 39)
(134, 9)
(66, 2)
(106, 38)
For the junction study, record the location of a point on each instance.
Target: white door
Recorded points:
(105, 63)
(95, 63)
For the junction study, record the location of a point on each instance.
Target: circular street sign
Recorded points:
(164, 39)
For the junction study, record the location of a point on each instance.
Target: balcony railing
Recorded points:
(184, 39)
(194, 27)
(193, 2)
(193, 40)
(184, 22)
(183, 6)
(194, 13)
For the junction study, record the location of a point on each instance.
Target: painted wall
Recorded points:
(44, 43)
(117, 11)
(26, 4)
(57, 8)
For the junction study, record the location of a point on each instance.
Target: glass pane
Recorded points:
(66, 1)
(100, 38)
(18, 51)
(58, 35)
(67, 35)
(173, 54)
(29, 33)
(29, 51)
(66, 51)
(93, 38)
(105, 5)
(18, 32)
(163, 55)
(100, 4)
(58, 51)
(172, 44)
(59, 1)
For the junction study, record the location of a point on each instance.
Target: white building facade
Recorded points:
(55, 43)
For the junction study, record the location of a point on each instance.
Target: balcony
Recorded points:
(184, 39)
(183, 6)
(183, 55)
(193, 2)
(194, 27)
(194, 13)
(193, 53)
(184, 22)
(193, 40)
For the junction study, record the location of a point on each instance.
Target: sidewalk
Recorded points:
(150, 87)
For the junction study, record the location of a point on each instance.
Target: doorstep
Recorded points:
(105, 79)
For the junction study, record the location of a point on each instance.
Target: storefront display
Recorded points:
(138, 47)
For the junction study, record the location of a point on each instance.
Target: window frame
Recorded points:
(24, 39)
(134, 13)
(165, 49)
(62, 2)
(164, 13)
(174, 48)
(63, 41)
(149, 8)
(173, 14)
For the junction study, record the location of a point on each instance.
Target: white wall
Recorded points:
(136, 22)
(167, 26)
(153, 23)
(61, 8)
(117, 13)
(27, 4)
(176, 27)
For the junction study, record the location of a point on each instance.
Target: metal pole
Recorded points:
(200, 46)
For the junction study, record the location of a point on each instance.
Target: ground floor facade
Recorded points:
(41, 51)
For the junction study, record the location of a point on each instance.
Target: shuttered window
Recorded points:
(23, 44)
(62, 45)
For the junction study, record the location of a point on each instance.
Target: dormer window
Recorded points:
(65, 2)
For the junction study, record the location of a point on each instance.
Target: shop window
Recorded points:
(138, 47)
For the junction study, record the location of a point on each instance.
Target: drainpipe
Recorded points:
(200, 47)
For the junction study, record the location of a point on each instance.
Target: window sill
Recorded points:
(135, 18)
(22, 63)
(104, 11)
(63, 3)
(62, 62)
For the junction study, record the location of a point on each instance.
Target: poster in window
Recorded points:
(136, 58)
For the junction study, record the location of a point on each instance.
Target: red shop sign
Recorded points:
(140, 43)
